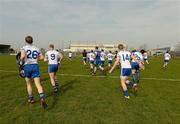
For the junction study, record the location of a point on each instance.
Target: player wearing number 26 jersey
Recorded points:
(31, 67)
(30, 56)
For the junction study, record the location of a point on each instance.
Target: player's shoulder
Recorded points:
(124, 52)
(30, 47)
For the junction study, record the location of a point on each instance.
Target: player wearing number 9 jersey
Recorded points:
(30, 56)
(53, 57)
(124, 58)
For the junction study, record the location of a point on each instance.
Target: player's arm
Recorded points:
(60, 57)
(114, 66)
(22, 57)
(46, 58)
(41, 56)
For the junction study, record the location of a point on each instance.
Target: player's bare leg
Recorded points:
(40, 91)
(124, 87)
(95, 69)
(53, 83)
(102, 69)
(134, 76)
(147, 62)
(133, 85)
(92, 68)
(29, 90)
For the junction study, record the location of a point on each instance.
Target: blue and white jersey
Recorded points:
(138, 56)
(124, 58)
(103, 56)
(32, 54)
(110, 56)
(167, 56)
(52, 56)
(145, 55)
(91, 56)
(98, 55)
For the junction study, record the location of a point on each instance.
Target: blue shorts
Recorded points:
(52, 68)
(91, 62)
(84, 59)
(98, 63)
(102, 62)
(166, 61)
(109, 61)
(135, 66)
(31, 70)
(125, 72)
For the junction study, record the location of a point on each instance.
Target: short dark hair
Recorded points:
(120, 46)
(51, 46)
(96, 47)
(29, 39)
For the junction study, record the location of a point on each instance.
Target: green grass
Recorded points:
(91, 100)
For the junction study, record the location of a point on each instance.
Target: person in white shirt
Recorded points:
(70, 55)
(110, 58)
(53, 58)
(124, 58)
(145, 56)
(91, 60)
(29, 58)
(167, 58)
(136, 66)
(103, 55)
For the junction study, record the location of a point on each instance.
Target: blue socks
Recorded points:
(42, 96)
(131, 84)
(134, 78)
(126, 93)
(31, 97)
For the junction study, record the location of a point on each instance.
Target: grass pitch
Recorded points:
(84, 99)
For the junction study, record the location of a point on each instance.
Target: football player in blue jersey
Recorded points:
(98, 61)
(135, 66)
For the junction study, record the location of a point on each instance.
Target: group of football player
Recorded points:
(129, 63)
(27, 60)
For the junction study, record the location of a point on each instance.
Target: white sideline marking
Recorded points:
(98, 76)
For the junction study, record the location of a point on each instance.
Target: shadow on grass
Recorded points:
(67, 86)
(62, 90)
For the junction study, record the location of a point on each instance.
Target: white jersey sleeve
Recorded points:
(32, 54)
(124, 58)
(52, 56)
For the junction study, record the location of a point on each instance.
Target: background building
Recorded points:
(4, 48)
(88, 47)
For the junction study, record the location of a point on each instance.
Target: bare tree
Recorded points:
(143, 46)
